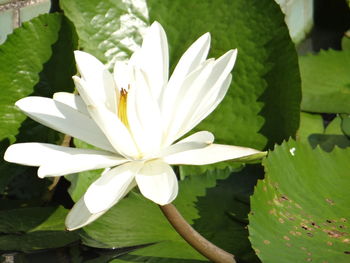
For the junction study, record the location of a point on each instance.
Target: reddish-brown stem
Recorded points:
(202, 245)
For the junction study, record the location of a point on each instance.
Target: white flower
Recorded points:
(135, 116)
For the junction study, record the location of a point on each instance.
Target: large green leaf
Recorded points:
(37, 59)
(108, 29)
(326, 82)
(21, 65)
(34, 228)
(266, 89)
(300, 210)
(265, 92)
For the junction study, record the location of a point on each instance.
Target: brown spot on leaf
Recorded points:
(286, 237)
(267, 242)
(315, 225)
(335, 234)
(346, 240)
(329, 243)
(281, 220)
(330, 201)
(297, 206)
(305, 227)
(284, 198)
(272, 212)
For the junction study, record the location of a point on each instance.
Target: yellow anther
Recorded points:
(122, 110)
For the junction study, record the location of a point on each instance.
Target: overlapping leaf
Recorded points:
(27, 229)
(312, 131)
(326, 82)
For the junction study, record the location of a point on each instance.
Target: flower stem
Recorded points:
(198, 242)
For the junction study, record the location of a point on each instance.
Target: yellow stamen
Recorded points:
(122, 110)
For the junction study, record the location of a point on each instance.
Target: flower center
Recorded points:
(122, 110)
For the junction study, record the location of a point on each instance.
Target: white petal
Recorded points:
(195, 141)
(114, 130)
(205, 92)
(111, 187)
(99, 81)
(57, 160)
(189, 61)
(72, 100)
(144, 115)
(206, 107)
(90, 68)
(122, 74)
(154, 58)
(211, 154)
(157, 182)
(80, 216)
(65, 119)
(218, 84)
(201, 136)
(186, 101)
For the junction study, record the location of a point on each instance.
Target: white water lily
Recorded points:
(135, 116)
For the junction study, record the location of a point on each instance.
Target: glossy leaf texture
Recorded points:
(300, 210)
(37, 59)
(20, 66)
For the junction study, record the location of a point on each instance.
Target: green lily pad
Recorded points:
(309, 124)
(345, 124)
(28, 229)
(37, 59)
(300, 210)
(326, 82)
